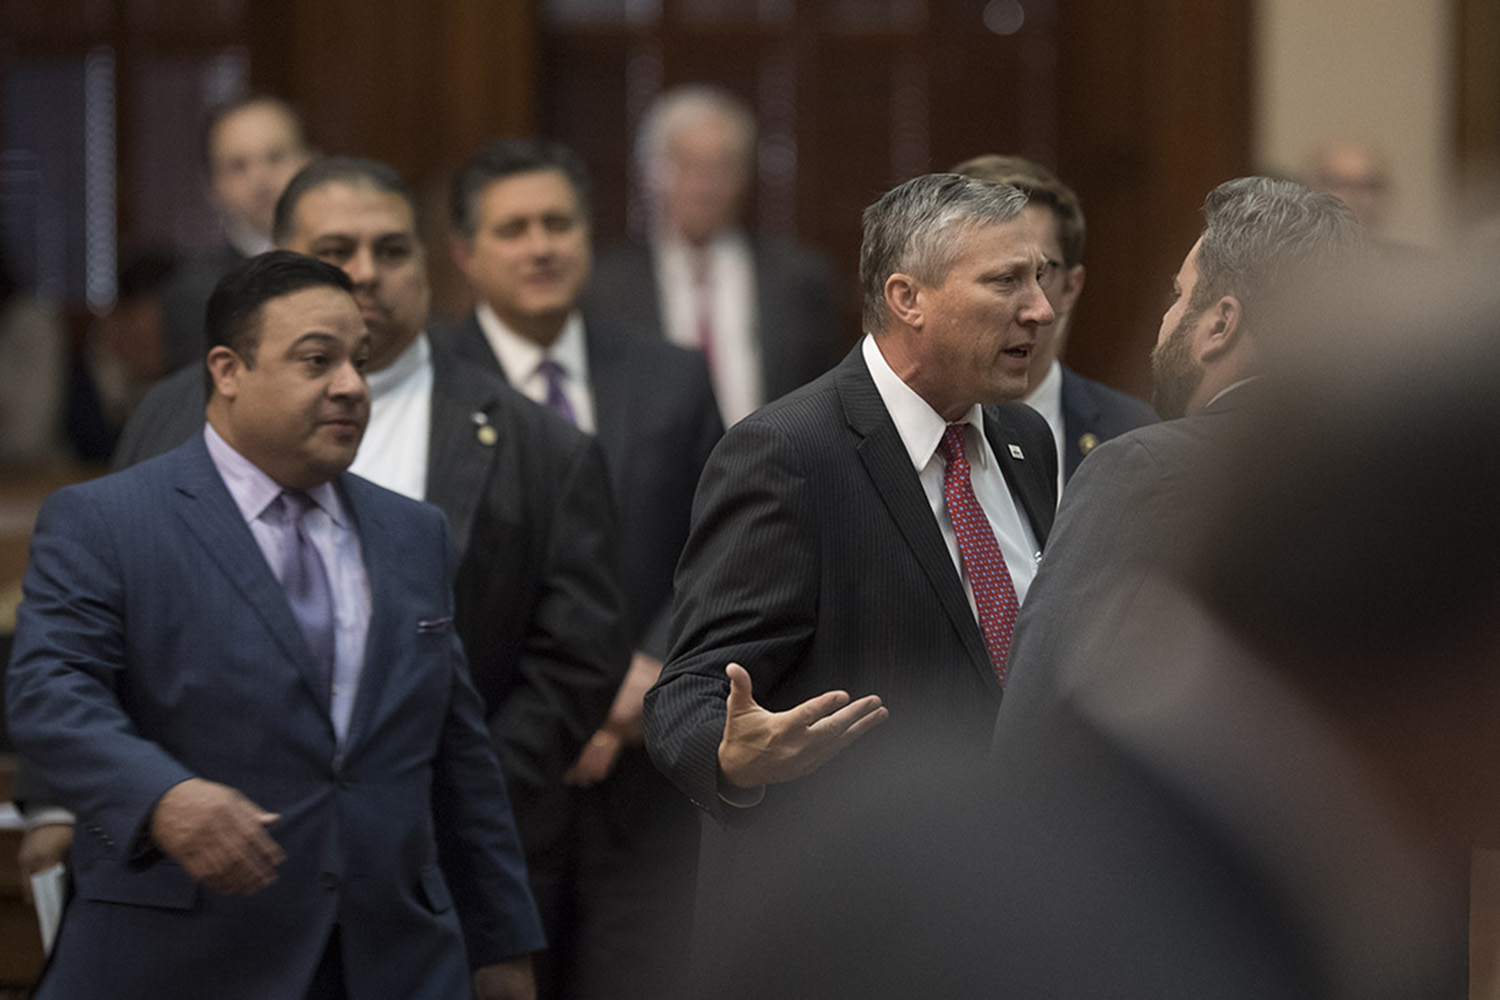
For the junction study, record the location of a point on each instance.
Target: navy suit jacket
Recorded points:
(155, 645)
(539, 611)
(1092, 414)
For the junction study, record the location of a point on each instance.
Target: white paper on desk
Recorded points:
(49, 888)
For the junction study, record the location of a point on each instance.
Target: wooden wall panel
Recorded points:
(1143, 105)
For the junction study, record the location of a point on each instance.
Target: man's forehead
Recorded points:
(355, 211)
(1018, 237)
(526, 193)
(254, 121)
(316, 307)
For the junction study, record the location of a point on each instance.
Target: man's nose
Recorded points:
(360, 266)
(1039, 309)
(347, 382)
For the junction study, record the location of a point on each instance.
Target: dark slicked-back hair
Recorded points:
(353, 171)
(501, 158)
(1042, 188)
(915, 228)
(233, 318)
(220, 112)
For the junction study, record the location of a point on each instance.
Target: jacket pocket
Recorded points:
(163, 884)
(435, 889)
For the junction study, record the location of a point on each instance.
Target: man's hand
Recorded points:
(218, 836)
(511, 980)
(621, 729)
(596, 760)
(761, 747)
(41, 848)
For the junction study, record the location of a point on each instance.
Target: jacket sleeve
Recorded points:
(746, 593)
(67, 669)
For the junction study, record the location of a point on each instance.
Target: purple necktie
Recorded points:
(989, 578)
(557, 398)
(305, 579)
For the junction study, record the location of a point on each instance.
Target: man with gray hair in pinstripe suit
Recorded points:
(859, 547)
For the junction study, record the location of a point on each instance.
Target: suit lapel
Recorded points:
(461, 445)
(1080, 411)
(889, 465)
(1024, 472)
(614, 400)
(382, 640)
(213, 518)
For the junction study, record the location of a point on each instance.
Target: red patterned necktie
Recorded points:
(703, 298)
(994, 593)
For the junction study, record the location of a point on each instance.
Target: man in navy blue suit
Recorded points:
(1081, 412)
(237, 665)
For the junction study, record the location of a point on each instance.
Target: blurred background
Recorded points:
(1141, 105)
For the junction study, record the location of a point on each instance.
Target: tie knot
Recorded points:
(550, 369)
(294, 505)
(952, 444)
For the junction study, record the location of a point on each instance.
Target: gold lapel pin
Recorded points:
(486, 434)
(1087, 443)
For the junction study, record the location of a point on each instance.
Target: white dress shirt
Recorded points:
(332, 534)
(921, 430)
(1046, 399)
(522, 360)
(735, 356)
(394, 451)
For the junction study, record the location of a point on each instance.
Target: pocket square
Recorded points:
(431, 626)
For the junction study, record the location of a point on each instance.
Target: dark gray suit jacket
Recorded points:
(538, 607)
(657, 422)
(816, 563)
(184, 301)
(1124, 519)
(796, 306)
(1092, 414)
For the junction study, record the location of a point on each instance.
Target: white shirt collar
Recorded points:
(920, 426)
(521, 357)
(409, 363)
(1046, 397)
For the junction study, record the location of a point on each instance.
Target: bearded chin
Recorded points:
(1174, 377)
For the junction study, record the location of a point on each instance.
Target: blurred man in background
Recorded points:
(761, 311)
(251, 148)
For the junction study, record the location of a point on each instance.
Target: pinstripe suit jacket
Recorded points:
(538, 608)
(815, 562)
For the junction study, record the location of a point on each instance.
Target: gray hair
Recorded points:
(685, 105)
(1259, 230)
(916, 229)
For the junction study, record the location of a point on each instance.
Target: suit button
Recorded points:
(329, 880)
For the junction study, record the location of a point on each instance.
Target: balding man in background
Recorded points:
(761, 310)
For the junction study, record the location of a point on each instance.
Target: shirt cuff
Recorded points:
(36, 816)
